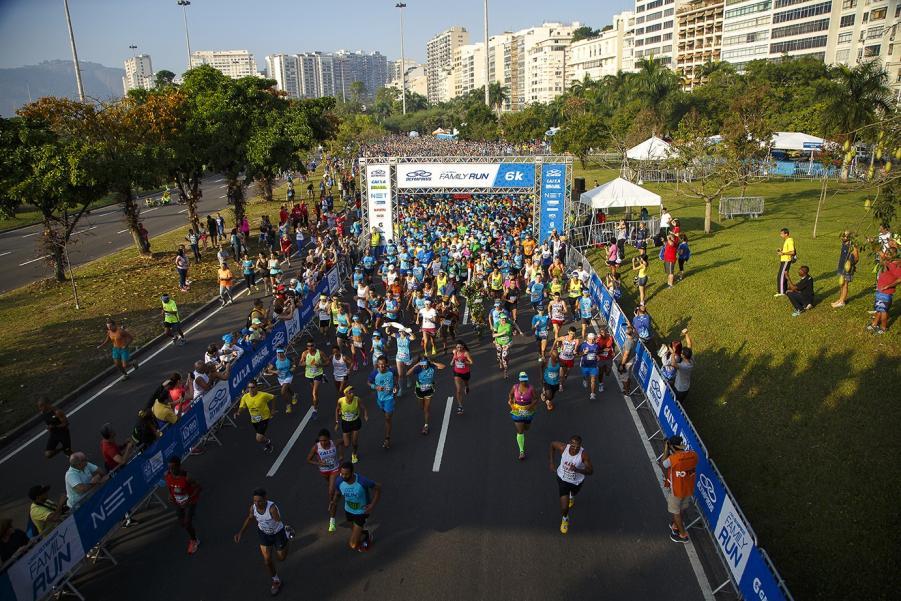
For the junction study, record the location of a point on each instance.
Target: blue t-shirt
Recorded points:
(418, 272)
(343, 323)
(591, 358)
(540, 325)
(425, 376)
(356, 495)
(403, 349)
(536, 290)
(585, 307)
(368, 262)
(283, 367)
(642, 325)
(552, 373)
(385, 380)
(248, 266)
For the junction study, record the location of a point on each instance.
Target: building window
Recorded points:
(759, 21)
(747, 10)
(802, 44)
(841, 56)
(784, 3)
(849, 3)
(746, 38)
(877, 14)
(844, 38)
(875, 32)
(746, 51)
(800, 28)
(847, 21)
(871, 51)
(803, 12)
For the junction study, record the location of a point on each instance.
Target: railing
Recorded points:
(594, 234)
(731, 206)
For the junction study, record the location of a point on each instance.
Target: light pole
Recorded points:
(403, 61)
(184, 4)
(74, 53)
(134, 50)
(487, 98)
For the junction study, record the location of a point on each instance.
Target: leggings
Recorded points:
(250, 279)
(182, 278)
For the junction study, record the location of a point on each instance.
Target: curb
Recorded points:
(7, 437)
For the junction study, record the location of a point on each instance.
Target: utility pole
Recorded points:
(487, 79)
(74, 53)
(184, 4)
(403, 61)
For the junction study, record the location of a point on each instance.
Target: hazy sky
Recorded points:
(35, 30)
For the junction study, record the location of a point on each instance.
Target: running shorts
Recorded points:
(358, 519)
(588, 372)
(424, 393)
(568, 488)
(279, 540)
(348, 427)
(260, 426)
(121, 354)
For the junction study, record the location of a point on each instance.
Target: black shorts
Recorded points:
(59, 438)
(586, 321)
(464, 377)
(424, 393)
(260, 426)
(348, 427)
(324, 323)
(344, 335)
(279, 540)
(552, 388)
(185, 513)
(356, 518)
(172, 324)
(566, 489)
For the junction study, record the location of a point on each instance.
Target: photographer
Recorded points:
(679, 467)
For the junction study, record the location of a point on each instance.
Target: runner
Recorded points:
(574, 465)
(462, 364)
(680, 466)
(327, 457)
(121, 338)
(340, 369)
(537, 291)
(342, 327)
(540, 325)
(585, 310)
(272, 531)
(225, 284)
(312, 360)
(360, 497)
(551, 377)
(424, 374)
(183, 492)
(605, 355)
(403, 358)
(522, 402)
(171, 320)
(449, 317)
(383, 380)
(429, 324)
(258, 405)
(347, 416)
(324, 314)
(588, 361)
(503, 336)
(566, 347)
(249, 272)
(557, 311)
(59, 439)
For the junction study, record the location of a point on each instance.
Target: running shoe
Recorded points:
(268, 448)
(879, 332)
(331, 525)
(871, 328)
(459, 409)
(192, 546)
(571, 501)
(677, 538)
(673, 530)
(564, 526)
(425, 429)
(584, 383)
(315, 414)
(778, 294)
(591, 396)
(294, 400)
(354, 458)
(600, 388)
(275, 588)
(289, 532)
(289, 409)
(522, 455)
(796, 312)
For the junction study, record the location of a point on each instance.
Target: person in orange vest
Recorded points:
(225, 284)
(679, 465)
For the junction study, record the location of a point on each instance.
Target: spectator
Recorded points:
(44, 513)
(223, 255)
(666, 220)
(114, 454)
(213, 230)
(181, 266)
(848, 256)
(682, 363)
(643, 215)
(642, 323)
(82, 478)
(668, 254)
(679, 467)
(11, 539)
(683, 253)
(59, 439)
(194, 240)
(786, 256)
(145, 431)
(144, 235)
(801, 294)
(622, 232)
(886, 282)
(640, 263)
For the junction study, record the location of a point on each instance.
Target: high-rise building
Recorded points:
(233, 63)
(395, 70)
(699, 37)
(440, 60)
(284, 69)
(654, 30)
(535, 63)
(468, 68)
(138, 73)
(417, 82)
(600, 56)
(368, 68)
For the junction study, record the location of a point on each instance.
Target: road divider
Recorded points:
(442, 438)
(281, 456)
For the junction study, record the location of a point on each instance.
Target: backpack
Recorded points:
(683, 465)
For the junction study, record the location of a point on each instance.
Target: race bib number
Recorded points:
(591, 356)
(256, 418)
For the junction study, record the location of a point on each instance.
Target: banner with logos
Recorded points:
(465, 175)
(380, 205)
(46, 565)
(552, 199)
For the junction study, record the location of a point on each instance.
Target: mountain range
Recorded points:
(20, 85)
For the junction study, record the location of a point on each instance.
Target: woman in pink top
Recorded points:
(612, 257)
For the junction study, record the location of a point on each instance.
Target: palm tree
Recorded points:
(498, 95)
(654, 85)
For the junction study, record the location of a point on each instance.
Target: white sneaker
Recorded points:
(592, 396)
(600, 388)
(584, 383)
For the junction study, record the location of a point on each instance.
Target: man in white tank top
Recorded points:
(272, 532)
(571, 471)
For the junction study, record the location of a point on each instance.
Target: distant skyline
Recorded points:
(32, 31)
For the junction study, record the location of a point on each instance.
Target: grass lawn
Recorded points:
(48, 346)
(798, 413)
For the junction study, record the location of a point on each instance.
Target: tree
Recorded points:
(655, 86)
(498, 95)
(584, 33)
(45, 162)
(163, 79)
(581, 130)
(356, 131)
(526, 125)
(276, 144)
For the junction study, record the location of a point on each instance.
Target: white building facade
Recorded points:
(604, 55)
(138, 73)
(655, 24)
(440, 61)
(232, 63)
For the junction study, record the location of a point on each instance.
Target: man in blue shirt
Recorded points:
(360, 497)
(368, 267)
(586, 309)
(383, 380)
(642, 323)
(588, 352)
(540, 325)
(536, 292)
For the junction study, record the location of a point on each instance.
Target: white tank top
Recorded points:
(567, 349)
(557, 310)
(327, 456)
(265, 523)
(568, 464)
(339, 366)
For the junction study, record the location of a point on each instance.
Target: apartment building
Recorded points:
(469, 68)
(654, 30)
(138, 73)
(699, 33)
(417, 82)
(285, 70)
(395, 69)
(535, 63)
(440, 60)
(604, 55)
(233, 63)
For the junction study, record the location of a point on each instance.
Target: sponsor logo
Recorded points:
(554, 173)
(757, 587)
(456, 175)
(378, 173)
(553, 203)
(48, 562)
(420, 175)
(643, 370)
(190, 431)
(708, 492)
(656, 390)
(514, 176)
(378, 187)
(115, 498)
(278, 339)
(381, 202)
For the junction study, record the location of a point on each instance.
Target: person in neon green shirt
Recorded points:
(503, 336)
(786, 256)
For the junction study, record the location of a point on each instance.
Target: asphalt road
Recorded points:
(98, 233)
(485, 526)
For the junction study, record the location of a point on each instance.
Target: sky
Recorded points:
(32, 31)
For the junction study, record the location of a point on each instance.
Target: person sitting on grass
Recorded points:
(800, 294)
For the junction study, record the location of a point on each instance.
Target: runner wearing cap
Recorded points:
(586, 310)
(258, 405)
(522, 402)
(462, 365)
(383, 380)
(551, 380)
(272, 532)
(323, 312)
(566, 348)
(540, 326)
(313, 361)
(347, 417)
(283, 369)
(327, 457)
(588, 361)
(574, 465)
(503, 336)
(424, 375)
(449, 316)
(171, 320)
(403, 357)
(340, 368)
(357, 330)
(360, 497)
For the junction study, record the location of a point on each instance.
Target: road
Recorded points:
(98, 233)
(483, 526)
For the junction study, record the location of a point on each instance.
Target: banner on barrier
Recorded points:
(378, 197)
(553, 199)
(215, 402)
(48, 563)
(466, 175)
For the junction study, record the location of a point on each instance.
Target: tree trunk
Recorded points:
(708, 208)
(236, 191)
(264, 184)
(53, 247)
(132, 218)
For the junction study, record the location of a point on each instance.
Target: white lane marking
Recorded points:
(222, 186)
(151, 210)
(281, 456)
(32, 234)
(223, 196)
(87, 229)
(122, 231)
(32, 261)
(442, 438)
(144, 361)
(183, 211)
(9, 252)
(102, 214)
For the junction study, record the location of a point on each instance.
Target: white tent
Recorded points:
(652, 149)
(794, 140)
(619, 193)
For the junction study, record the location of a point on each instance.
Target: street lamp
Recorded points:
(134, 50)
(403, 62)
(74, 53)
(487, 64)
(184, 4)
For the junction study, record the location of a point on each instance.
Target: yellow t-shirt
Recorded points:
(350, 409)
(163, 412)
(257, 405)
(788, 246)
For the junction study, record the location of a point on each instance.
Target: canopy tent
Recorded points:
(652, 149)
(619, 193)
(797, 141)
